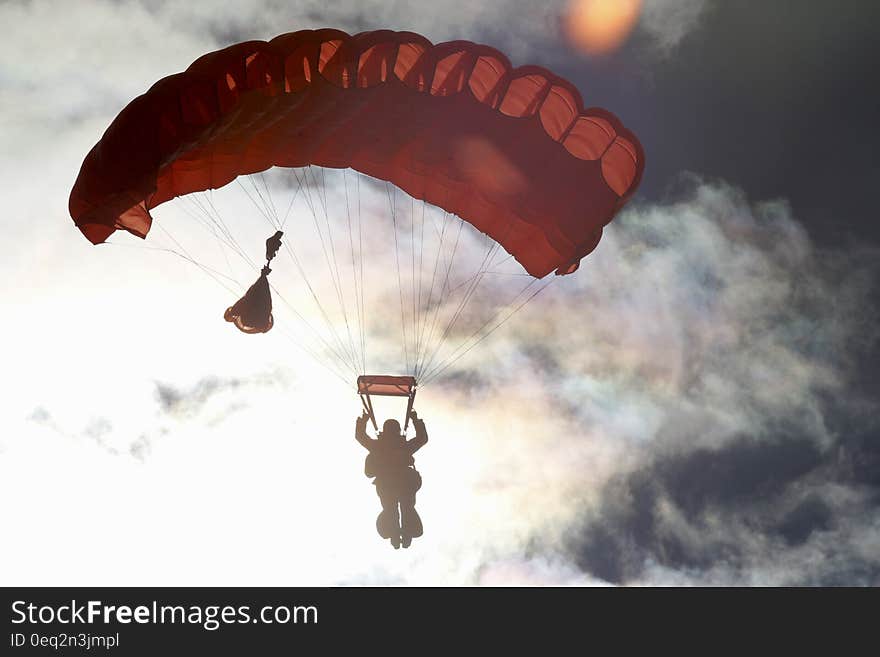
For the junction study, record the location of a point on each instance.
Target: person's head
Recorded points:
(390, 430)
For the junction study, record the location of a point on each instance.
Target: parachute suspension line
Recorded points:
(214, 223)
(223, 228)
(357, 297)
(339, 351)
(412, 237)
(334, 266)
(422, 334)
(467, 280)
(310, 202)
(302, 271)
(268, 210)
(186, 256)
(290, 306)
(352, 361)
(213, 273)
(333, 350)
(417, 289)
(290, 205)
(399, 283)
(271, 202)
(334, 368)
(427, 313)
(441, 300)
(262, 206)
(444, 296)
(438, 371)
(489, 320)
(220, 240)
(326, 365)
(485, 265)
(217, 220)
(276, 224)
(465, 299)
(417, 317)
(326, 206)
(421, 260)
(361, 251)
(446, 215)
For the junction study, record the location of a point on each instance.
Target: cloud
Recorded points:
(701, 379)
(734, 515)
(667, 22)
(683, 410)
(175, 401)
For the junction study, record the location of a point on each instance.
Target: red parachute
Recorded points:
(510, 150)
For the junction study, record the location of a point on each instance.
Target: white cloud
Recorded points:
(667, 22)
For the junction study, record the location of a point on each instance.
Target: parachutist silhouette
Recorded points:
(392, 464)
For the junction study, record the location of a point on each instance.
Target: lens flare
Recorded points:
(599, 27)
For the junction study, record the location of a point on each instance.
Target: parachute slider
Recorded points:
(385, 385)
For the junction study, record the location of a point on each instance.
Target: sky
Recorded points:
(695, 406)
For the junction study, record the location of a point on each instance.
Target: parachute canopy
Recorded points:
(510, 150)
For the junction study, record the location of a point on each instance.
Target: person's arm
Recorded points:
(421, 438)
(360, 432)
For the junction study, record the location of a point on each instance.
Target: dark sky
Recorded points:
(778, 97)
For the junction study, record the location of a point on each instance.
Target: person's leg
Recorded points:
(410, 522)
(388, 522)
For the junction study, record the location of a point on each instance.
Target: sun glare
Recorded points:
(599, 27)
